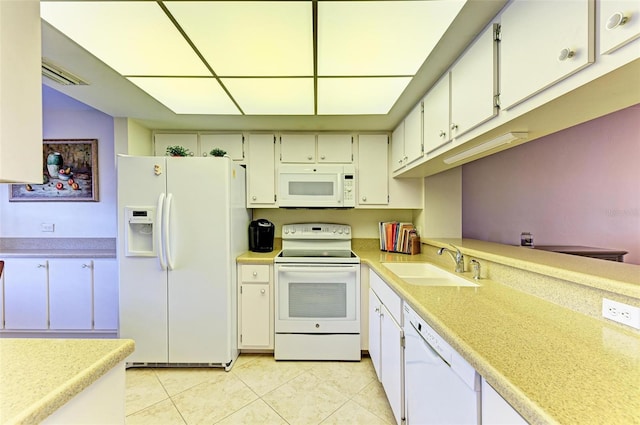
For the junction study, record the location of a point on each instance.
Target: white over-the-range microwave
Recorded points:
(316, 186)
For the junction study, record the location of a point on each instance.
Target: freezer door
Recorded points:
(143, 282)
(200, 281)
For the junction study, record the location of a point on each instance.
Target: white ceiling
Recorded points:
(288, 65)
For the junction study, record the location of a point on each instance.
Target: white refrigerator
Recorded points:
(181, 224)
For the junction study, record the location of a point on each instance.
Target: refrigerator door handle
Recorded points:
(167, 230)
(160, 237)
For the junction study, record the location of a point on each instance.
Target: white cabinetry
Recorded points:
(543, 42)
(163, 140)
(406, 140)
(496, 410)
(436, 116)
(20, 92)
(619, 23)
(311, 148)
(255, 312)
(232, 143)
(70, 294)
(26, 294)
(373, 175)
(105, 294)
(474, 84)
(261, 173)
(385, 342)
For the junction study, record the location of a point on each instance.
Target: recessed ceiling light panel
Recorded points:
(188, 95)
(380, 37)
(133, 38)
(272, 96)
(250, 38)
(359, 96)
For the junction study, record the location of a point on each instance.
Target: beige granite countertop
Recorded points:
(38, 376)
(553, 364)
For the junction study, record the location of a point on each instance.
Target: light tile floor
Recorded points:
(258, 390)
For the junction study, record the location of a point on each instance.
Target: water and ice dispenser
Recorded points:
(139, 238)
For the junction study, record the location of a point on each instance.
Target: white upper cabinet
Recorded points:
(311, 148)
(373, 175)
(163, 140)
(543, 42)
(20, 92)
(436, 115)
(406, 140)
(298, 148)
(335, 148)
(619, 23)
(397, 147)
(261, 171)
(232, 144)
(474, 84)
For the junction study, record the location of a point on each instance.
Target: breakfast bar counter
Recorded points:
(44, 377)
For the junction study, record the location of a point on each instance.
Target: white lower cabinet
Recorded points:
(26, 294)
(105, 294)
(385, 342)
(496, 410)
(70, 294)
(60, 294)
(255, 307)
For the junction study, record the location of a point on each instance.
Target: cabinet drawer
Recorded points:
(390, 299)
(254, 273)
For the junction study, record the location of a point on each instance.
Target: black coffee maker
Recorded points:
(261, 233)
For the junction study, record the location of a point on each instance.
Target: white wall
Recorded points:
(66, 118)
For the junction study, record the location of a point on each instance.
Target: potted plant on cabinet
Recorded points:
(177, 150)
(217, 152)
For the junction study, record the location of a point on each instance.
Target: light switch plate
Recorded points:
(47, 227)
(621, 313)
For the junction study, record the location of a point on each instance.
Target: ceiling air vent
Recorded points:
(61, 76)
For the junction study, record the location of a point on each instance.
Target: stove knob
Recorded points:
(334, 230)
(347, 231)
(293, 230)
(340, 231)
(285, 231)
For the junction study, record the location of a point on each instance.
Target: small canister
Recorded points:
(414, 243)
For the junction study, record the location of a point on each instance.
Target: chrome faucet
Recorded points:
(458, 258)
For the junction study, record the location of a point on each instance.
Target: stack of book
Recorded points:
(396, 236)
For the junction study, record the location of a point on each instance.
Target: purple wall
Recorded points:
(580, 186)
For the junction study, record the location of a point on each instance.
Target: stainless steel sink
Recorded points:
(426, 274)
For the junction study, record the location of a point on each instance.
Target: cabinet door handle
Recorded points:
(86, 266)
(443, 133)
(454, 127)
(262, 291)
(42, 266)
(255, 274)
(377, 309)
(616, 20)
(566, 53)
(253, 198)
(364, 199)
(309, 157)
(322, 157)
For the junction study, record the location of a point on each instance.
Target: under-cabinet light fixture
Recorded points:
(483, 147)
(61, 76)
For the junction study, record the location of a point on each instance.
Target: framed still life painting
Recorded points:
(69, 173)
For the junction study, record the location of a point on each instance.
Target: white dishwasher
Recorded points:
(440, 386)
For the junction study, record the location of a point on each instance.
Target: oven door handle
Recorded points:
(317, 268)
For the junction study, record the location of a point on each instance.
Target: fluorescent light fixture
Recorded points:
(272, 96)
(188, 95)
(483, 147)
(359, 96)
(134, 38)
(363, 38)
(250, 38)
(61, 76)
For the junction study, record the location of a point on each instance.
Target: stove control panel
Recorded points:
(316, 231)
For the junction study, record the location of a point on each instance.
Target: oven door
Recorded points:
(317, 298)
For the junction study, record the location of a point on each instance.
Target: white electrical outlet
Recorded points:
(47, 227)
(621, 313)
